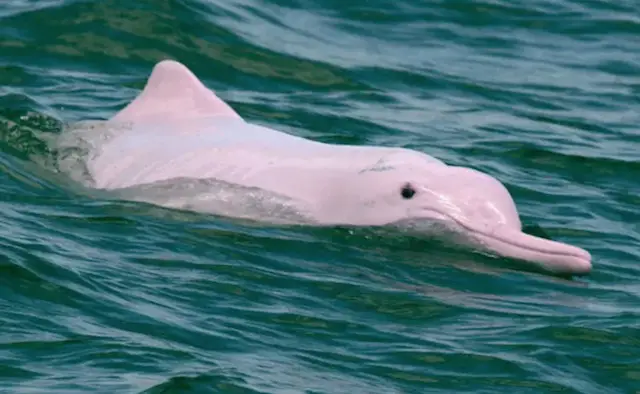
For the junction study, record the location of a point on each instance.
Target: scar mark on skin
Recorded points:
(379, 166)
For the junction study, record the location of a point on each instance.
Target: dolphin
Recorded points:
(177, 129)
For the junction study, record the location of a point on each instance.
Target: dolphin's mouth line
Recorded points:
(498, 237)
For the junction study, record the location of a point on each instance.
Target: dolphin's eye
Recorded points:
(407, 191)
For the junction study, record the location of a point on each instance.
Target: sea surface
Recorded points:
(103, 296)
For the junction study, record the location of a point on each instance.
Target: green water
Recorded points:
(111, 297)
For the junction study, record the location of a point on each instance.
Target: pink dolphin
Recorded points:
(179, 129)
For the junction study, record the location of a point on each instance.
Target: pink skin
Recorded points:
(181, 129)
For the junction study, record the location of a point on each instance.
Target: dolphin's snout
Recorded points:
(553, 256)
(487, 210)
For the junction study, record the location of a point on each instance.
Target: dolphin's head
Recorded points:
(439, 199)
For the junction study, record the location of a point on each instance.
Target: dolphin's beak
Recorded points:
(552, 256)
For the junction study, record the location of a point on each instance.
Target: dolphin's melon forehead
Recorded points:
(485, 198)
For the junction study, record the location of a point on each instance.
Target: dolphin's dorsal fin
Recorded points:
(174, 92)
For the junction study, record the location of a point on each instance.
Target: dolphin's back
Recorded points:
(221, 148)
